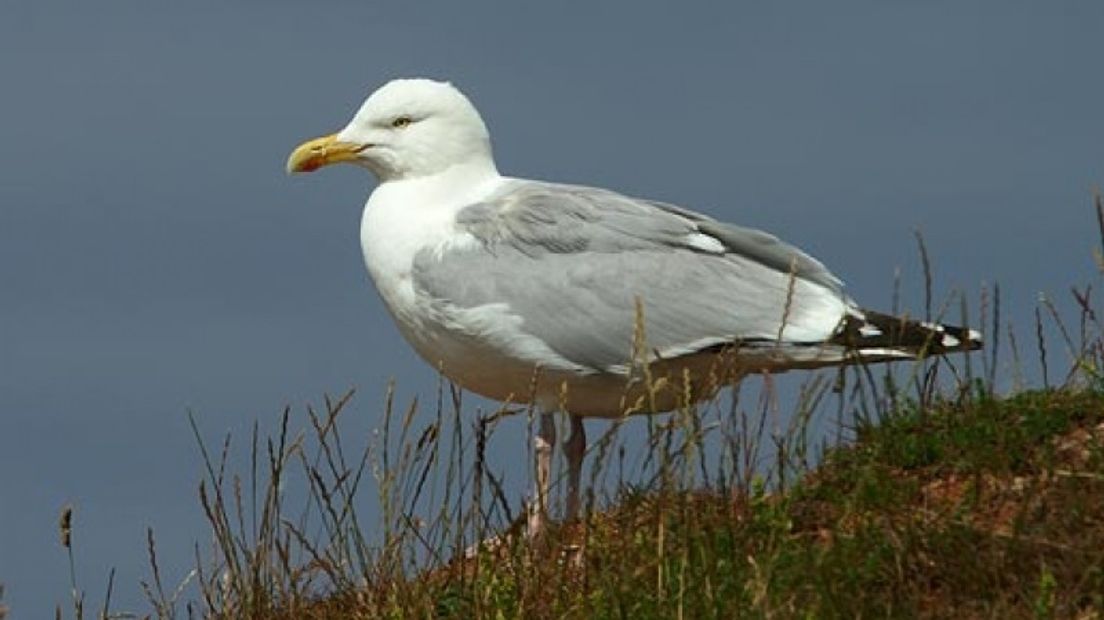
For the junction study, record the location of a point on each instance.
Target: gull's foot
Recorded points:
(536, 521)
(487, 545)
(500, 541)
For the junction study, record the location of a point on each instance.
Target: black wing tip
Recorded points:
(875, 330)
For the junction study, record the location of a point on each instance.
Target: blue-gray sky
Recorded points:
(155, 259)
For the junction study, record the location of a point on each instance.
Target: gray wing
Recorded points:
(570, 263)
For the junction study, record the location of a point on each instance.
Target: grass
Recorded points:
(941, 498)
(988, 508)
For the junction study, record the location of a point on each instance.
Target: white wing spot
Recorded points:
(935, 327)
(869, 331)
(704, 243)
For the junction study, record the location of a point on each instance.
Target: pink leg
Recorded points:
(543, 444)
(574, 449)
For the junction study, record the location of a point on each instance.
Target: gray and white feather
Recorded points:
(571, 263)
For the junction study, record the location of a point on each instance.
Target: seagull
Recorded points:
(576, 299)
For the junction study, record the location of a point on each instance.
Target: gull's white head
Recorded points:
(408, 128)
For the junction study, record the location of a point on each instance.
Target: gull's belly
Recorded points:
(486, 370)
(495, 365)
(471, 364)
(457, 348)
(481, 351)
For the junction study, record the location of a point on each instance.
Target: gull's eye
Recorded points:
(401, 121)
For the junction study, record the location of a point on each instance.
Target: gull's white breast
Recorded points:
(483, 349)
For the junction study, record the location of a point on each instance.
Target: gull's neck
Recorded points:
(458, 185)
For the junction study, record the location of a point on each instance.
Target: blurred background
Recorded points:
(155, 260)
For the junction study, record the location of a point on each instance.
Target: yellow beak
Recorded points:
(313, 154)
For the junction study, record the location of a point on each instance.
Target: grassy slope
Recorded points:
(995, 508)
